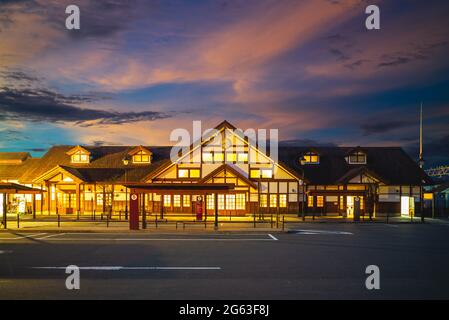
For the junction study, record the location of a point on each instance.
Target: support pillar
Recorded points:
(144, 214)
(5, 218)
(34, 205)
(216, 211)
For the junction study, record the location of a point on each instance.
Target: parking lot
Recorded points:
(315, 261)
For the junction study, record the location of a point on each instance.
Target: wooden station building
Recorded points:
(232, 175)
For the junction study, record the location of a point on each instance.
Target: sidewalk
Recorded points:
(172, 224)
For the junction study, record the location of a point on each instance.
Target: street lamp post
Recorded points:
(126, 162)
(303, 212)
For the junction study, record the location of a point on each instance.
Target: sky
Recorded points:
(136, 70)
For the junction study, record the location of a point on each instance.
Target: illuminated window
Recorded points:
(207, 157)
(141, 157)
(310, 201)
(357, 158)
(341, 203)
(195, 173)
(312, 158)
(167, 200)
(267, 173)
(221, 202)
(319, 201)
(80, 157)
(186, 201)
(273, 201)
(242, 157)
(183, 173)
(362, 203)
(255, 173)
(210, 202)
(231, 157)
(189, 173)
(240, 201)
(176, 201)
(230, 202)
(263, 201)
(218, 157)
(282, 201)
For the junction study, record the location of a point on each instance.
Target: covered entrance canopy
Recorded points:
(13, 188)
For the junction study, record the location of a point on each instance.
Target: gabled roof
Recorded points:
(106, 164)
(138, 149)
(13, 157)
(390, 164)
(230, 169)
(16, 171)
(357, 171)
(76, 149)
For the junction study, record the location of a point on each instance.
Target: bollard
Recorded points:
(155, 219)
(107, 221)
(254, 222)
(120, 215)
(59, 220)
(18, 221)
(271, 221)
(77, 215)
(94, 214)
(283, 222)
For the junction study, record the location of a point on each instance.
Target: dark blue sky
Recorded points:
(138, 69)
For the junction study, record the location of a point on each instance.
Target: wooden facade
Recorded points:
(77, 180)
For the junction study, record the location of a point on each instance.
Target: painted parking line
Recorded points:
(50, 236)
(317, 232)
(23, 237)
(119, 268)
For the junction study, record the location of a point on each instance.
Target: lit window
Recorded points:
(186, 201)
(263, 201)
(189, 173)
(242, 157)
(255, 173)
(230, 202)
(267, 173)
(80, 157)
(240, 201)
(310, 201)
(231, 157)
(319, 201)
(176, 201)
(210, 202)
(194, 173)
(141, 157)
(341, 203)
(357, 157)
(273, 201)
(218, 157)
(183, 173)
(311, 157)
(221, 202)
(362, 203)
(167, 200)
(282, 201)
(207, 157)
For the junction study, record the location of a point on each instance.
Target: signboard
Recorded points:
(134, 212)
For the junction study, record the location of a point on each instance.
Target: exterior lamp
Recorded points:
(302, 160)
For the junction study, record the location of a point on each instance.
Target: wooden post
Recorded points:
(34, 205)
(78, 200)
(5, 208)
(144, 215)
(49, 198)
(216, 211)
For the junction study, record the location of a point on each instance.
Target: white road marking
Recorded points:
(118, 268)
(314, 232)
(273, 237)
(24, 237)
(5, 251)
(50, 236)
(155, 239)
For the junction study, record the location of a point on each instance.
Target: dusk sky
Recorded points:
(138, 69)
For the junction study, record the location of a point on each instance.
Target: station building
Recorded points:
(232, 175)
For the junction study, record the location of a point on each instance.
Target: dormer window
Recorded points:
(79, 155)
(358, 157)
(310, 158)
(140, 155)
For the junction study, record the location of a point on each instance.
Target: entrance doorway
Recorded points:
(350, 206)
(407, 206)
